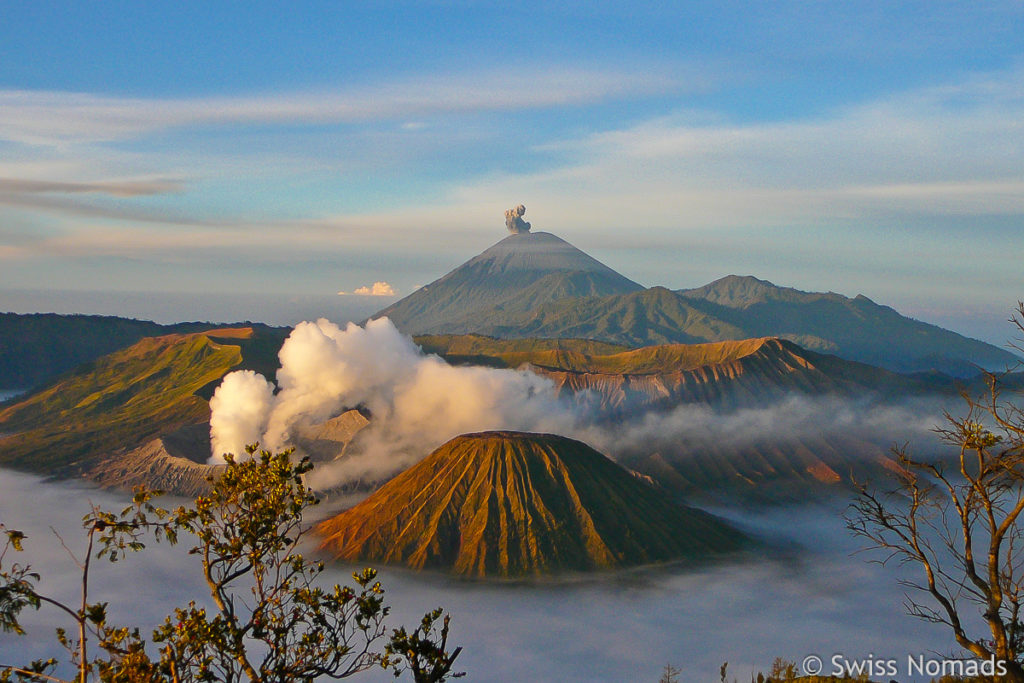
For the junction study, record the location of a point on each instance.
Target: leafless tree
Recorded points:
(958, 524)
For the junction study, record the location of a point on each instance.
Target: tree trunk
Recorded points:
(1014, 672)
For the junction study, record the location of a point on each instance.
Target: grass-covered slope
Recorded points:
(35, 348)
(476, 349)
(127, 398)
(513, 504)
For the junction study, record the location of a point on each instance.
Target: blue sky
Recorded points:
(307, 148)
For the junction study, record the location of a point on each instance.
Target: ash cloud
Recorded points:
(514, 220)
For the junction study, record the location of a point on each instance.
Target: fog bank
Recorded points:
(810, 598)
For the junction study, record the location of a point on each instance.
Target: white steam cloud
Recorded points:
(417, 402)
(239, 409)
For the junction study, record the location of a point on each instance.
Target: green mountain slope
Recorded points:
(127, 398)
(514, 504)
(37, 347)
(856, 328)
(476, 349)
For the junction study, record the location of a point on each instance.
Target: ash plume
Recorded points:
(514, 220)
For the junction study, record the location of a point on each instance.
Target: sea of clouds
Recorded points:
(806, 594)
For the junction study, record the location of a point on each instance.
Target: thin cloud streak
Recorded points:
(56, 118)
(126, 188)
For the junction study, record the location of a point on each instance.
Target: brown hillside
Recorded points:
(514, 504)
(726, 374)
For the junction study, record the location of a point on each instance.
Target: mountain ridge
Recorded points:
(127, 398)
(547, 288)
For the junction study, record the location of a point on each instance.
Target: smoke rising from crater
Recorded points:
(419, 401)
(514, 220)
(239, 411)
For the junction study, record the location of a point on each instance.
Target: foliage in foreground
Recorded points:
(267, 619)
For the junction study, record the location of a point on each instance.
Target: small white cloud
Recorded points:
(414, 125)
(378, 289)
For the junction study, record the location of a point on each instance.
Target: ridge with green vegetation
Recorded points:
(477, 349)
(35, 348)
(125, 399)
(509, 504)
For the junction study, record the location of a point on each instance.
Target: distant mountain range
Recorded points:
(39, 346)
(141, 415)
(511, 504)
(535, 285)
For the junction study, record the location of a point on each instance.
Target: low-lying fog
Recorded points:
(807, 595)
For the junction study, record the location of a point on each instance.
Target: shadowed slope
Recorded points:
(856, 328)
(37, 347)
(513, 504)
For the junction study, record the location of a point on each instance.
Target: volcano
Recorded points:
(516, 275)
(510, 504)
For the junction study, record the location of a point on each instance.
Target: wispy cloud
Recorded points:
(954, 149)
(127, 188)
(55, 118)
